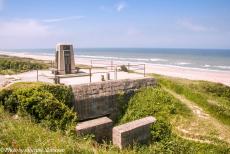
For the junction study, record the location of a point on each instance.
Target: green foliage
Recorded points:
(122, 100)
(199, 92)
(161, 130)
(158, 103)
(60, 92)
(23, 133)
(177, 145)
(44, 102)
(12, 65)
(155, 102)
(215, 89)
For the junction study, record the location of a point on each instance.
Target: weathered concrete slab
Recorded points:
(137, 131)
(99, 99)
(100, 127)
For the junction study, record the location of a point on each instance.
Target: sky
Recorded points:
(115, 23)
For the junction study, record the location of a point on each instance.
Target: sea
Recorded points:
(211, 59)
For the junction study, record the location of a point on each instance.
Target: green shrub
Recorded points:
(161, 130)
(4, 93)
(44, 102)
(216, 89)
(11, 103)
(60, 92)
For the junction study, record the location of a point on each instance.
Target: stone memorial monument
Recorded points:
(64, 59)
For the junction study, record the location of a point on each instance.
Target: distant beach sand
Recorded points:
(168, 70)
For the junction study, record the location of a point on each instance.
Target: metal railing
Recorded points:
(111, 68)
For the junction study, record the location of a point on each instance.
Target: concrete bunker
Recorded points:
(97, 108)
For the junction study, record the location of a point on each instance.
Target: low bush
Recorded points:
(216, 89)
(49, 104)
(60, 92)
(161, 130)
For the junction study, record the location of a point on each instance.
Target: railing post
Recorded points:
(144, 70)
(115, 73)
(37, 74)
(90, 75)
(111, 64)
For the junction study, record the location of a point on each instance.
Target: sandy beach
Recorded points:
(190, 73)
(168, 70)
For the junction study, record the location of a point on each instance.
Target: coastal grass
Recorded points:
(212, 97)
(22, 131)
(170, 113)
(12, 65)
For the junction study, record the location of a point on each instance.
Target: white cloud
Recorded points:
(25, 33)
(195, 27)
(2, 4)
(63, 19)
(22, 28)
(120, 6)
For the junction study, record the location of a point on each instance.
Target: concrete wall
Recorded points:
(99, 99)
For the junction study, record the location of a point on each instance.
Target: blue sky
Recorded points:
(115, 23)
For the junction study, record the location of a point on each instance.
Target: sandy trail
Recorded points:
(206, 121)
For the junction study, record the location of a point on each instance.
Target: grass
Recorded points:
(24, 133)
(159, 103)
(12, 65)
(170, 111)
(155, 102)
(203, 94)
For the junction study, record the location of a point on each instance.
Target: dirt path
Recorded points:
(203, 125)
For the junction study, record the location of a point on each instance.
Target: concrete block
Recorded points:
(100, 127)
(137, 131)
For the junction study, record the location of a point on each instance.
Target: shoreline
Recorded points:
(220, 76)
(86, 60)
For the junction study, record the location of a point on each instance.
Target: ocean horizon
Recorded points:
(210, 59)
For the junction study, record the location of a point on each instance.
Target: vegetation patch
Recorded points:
(24, 133)
(201, 92)
(41, 107)
(160, 104)
(12, 65)
(45, 103)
